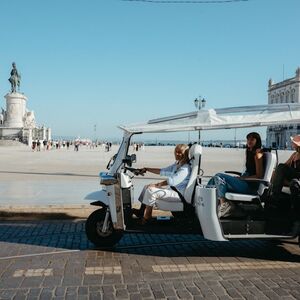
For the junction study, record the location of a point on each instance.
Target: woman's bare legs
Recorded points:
(148, 213)
(140, 211)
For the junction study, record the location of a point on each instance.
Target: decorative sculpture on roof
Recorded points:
(29, 120)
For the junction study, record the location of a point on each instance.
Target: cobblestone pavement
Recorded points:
(54, 260)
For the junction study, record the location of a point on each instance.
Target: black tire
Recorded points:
(93, 226)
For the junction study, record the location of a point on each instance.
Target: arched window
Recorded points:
(281, 97)
(293, 96)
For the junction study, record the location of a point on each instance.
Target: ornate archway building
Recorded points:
(286, 91)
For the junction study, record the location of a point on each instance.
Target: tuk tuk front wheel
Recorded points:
(95, 233)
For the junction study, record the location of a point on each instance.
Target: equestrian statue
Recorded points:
(14, 79)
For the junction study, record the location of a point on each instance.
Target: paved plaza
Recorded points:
(54, 260)
(65, 177)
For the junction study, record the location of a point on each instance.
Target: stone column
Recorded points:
(29, 137)
(44, 133)
(15, 110)
(49, 137)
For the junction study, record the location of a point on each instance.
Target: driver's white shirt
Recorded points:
(177, 176)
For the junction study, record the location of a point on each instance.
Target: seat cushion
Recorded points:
(240, 197)
(169, 205)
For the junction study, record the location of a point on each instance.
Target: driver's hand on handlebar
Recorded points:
(138, 172)
(143, 171)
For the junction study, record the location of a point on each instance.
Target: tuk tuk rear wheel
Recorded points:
(93, 229)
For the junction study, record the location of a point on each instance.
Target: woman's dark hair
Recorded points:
(256, 136)
(250, 154)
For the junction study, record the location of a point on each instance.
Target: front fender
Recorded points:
(100, 196)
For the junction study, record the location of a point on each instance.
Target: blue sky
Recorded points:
(110, 62)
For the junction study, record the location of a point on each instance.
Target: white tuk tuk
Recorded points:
(198, 206)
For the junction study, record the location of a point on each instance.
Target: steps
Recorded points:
(11, 143)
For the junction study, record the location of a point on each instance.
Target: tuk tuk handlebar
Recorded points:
(135, 171)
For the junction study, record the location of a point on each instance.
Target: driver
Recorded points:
(178, 175)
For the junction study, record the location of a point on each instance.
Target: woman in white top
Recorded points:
(178, 175)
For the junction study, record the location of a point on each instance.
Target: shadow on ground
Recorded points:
(29, 216)
(70, 234)
(47, 174)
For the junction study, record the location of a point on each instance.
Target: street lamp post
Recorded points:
(234, 137)
(199, 104)
(95, 133)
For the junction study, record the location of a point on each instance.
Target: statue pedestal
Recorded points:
(15, 110)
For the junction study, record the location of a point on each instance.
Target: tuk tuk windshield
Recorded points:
(117, 160)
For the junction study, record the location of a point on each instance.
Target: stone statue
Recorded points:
(15, 78)
(2, 116)
(29, 120)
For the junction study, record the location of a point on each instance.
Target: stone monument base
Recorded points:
(18, 124)
(10, 143)
(7, 133)
(15, 110)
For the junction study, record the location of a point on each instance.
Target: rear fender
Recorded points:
(206, 209)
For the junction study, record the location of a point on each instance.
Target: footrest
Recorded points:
(243, 226)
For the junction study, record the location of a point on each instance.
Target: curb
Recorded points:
(51, 212)
(54, 212)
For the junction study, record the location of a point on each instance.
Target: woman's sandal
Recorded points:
(144, 221)
(137, 212)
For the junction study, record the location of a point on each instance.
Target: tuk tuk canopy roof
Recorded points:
(222, 118)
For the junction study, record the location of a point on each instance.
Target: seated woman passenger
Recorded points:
(178, 175)
(284, 173)
(226, 183)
